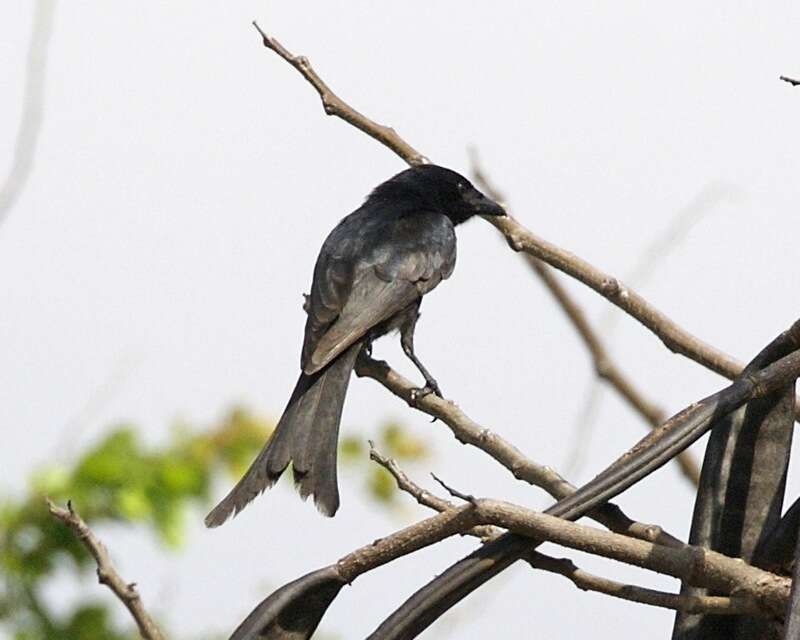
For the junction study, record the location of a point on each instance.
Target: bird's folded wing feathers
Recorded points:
(371, 301)
(348, 303)
(329, 292)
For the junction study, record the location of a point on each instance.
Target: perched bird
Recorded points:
(369, 279)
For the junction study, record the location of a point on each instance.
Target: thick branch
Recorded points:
(674, 337)
(585, 581)
(582, 579)
(417, 536)
(763, 592)
(694, 565)
(106, 573)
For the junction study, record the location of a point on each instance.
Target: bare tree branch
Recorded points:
(335, 106)
(106, 573)
(692, 564)
(674, 337)
(603, 364)
(412, 538)
(32, 107)
(467, 431)
(764, 592)
(791, 81)
(719, 605)
(582, 579)
(300, 604)
(423, 497)
(772, 369)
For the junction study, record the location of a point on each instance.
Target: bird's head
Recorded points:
(439, 189)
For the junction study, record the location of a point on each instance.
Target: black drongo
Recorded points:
(369, 279)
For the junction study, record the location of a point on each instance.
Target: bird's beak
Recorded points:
(484, 206)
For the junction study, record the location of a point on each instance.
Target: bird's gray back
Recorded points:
(413, 251)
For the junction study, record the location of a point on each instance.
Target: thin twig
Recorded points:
(453, 492)
(106, 573)
(603, 364)
(335, 106)
(585, 581)
(423, 497)
(791, 81)
(406, 484)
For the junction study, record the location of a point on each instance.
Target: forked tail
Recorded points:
(306, 436)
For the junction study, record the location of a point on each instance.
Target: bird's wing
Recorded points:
(371, 301)
(333, 281)
(414, 258)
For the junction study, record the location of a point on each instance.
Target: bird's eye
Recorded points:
(462, 186)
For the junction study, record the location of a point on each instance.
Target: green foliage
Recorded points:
(122, 480)
(118, 480)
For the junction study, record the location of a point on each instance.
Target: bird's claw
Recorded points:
(416, 395)
(431, 387)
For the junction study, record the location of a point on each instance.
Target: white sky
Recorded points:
(186, 177)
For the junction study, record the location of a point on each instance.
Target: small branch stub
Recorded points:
(454, 492)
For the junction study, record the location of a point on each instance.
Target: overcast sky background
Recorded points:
(185, 178)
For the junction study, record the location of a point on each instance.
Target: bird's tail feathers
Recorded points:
(306, 436)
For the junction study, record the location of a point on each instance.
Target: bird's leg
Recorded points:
(431, 386)
(407, 342)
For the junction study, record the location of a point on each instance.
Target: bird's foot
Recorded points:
(418, 394)
(431, 387)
